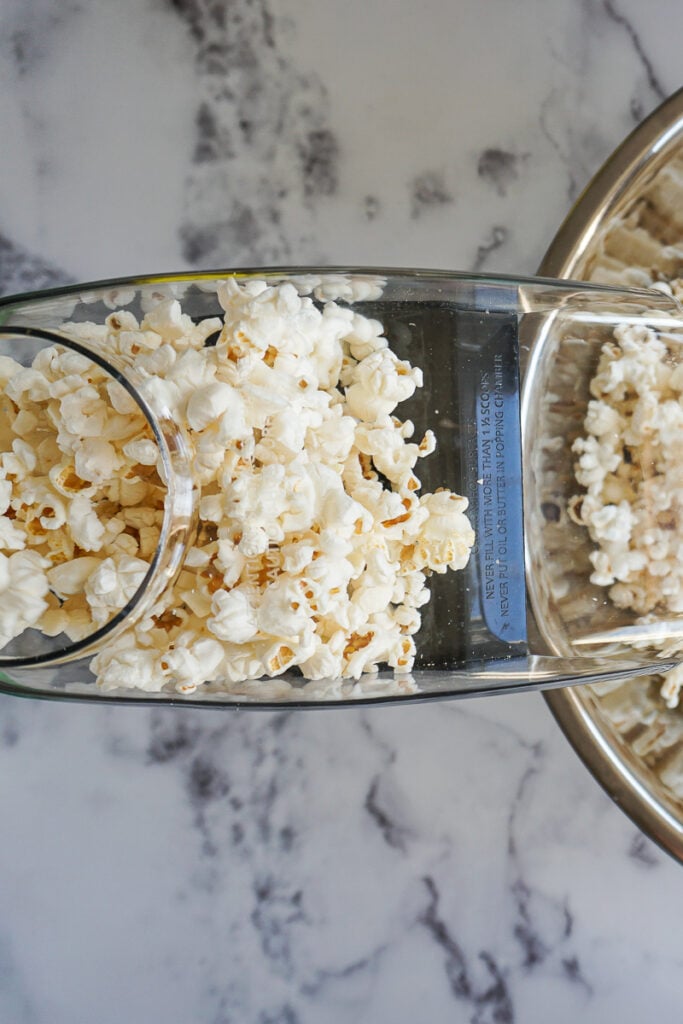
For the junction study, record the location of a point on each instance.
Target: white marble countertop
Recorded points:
(451, 862)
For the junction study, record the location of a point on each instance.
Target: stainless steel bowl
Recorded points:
(627, 228)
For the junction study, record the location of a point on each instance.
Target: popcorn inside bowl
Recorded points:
(630, 466)
(73, 495)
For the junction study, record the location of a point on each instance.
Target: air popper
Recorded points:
(309, 486)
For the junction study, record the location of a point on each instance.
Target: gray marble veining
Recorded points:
(430, 863)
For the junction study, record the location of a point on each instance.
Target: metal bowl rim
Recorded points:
(646, 149)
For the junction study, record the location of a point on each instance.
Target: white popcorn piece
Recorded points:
(132, 342)
(12, 538)
(198, 558)
(208, 403)
(232, 425)
(23, 591)
(166, 318)
(96, 460)
(364, 650)
(157, 363)
(194, 595)
(230, 561)
(365, 336)
(254, 541)
(333, 439)
(233, 617)
(48, 514)
(113, 583)
(162, 394)
(209, 459)
(613, 523)
(327, 659)
(187, 667)
(130, 492)
(192, 371)
(4, 572)
(261, 498)
(27, 383)
(56, 621)
(390, 454)
(296, 556)
(67, 482)
(239, 670)
(140, 516)
(284, 437)
(149, 541)
(671, 687)
(83, 412)
(20, 462)
(8, 368)
(143, 451)
(281, 612)
(6, 491)
(70, 577)
(114, 298)
(381, 381)
(211, 508)
(124, 544)
(122, 400)
(350, 287)
(136, 667)
(24, 423)
(446, 538)
(281, 656)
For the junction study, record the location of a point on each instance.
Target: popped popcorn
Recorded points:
(69, 466)
(630, 462)
(23, 592)
(313, 544)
